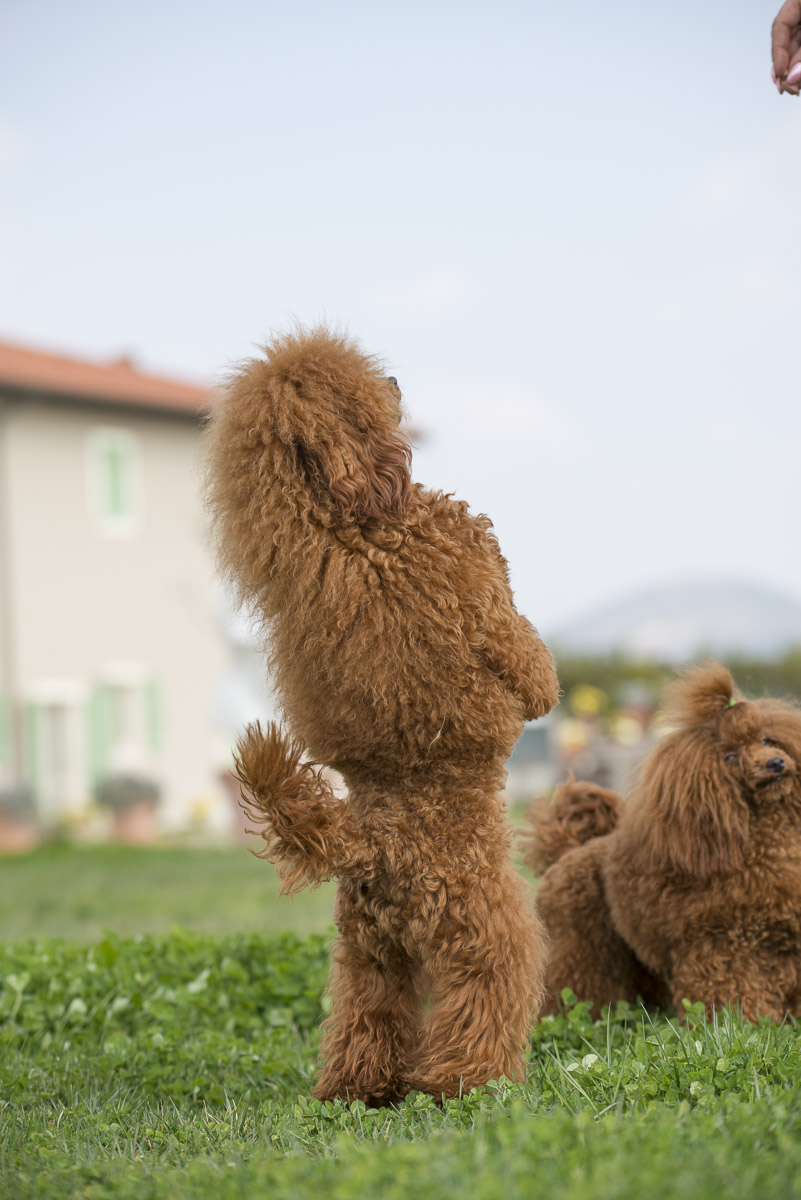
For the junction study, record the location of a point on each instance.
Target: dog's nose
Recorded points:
(775, 764)
(392, 379)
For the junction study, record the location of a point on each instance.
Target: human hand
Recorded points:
(786, 48)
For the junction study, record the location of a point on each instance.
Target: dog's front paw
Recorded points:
(542, 701)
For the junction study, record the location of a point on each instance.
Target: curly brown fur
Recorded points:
(308, 831)
(402, 662)
(700, 882)
(576, 813)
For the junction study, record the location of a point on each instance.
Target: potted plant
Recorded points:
(132, 801)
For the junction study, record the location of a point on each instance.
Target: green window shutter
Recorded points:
(33, 744)
(154, 715)
(115, 479)
(100, 712)
(117, 470)
(5, 731)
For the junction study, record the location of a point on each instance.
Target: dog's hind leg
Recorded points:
(587, 954)
(485, 962)
(376, 1020)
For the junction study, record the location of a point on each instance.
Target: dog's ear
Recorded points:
(698, 695)
(688, 811)
(366, 474)
(333, 408)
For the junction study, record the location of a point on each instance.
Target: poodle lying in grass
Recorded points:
(402, 662)
(693, 889)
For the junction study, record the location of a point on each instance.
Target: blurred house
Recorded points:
(109, 653)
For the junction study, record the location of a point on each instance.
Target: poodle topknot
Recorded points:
(695, 891)
(401, 661)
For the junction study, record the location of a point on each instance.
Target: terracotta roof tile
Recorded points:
(114, 383)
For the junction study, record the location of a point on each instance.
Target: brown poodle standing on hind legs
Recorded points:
(401, 662)
(692, 890)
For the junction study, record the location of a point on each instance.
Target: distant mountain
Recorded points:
(678, 622)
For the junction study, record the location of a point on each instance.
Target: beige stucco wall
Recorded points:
(82, 601)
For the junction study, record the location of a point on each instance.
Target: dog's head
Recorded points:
(337, 415)
(725, 764)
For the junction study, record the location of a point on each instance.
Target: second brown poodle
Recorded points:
(693, 889)
(402, 662)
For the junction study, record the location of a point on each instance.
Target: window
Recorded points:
(115, 482)
(126, 720)
(56, 748)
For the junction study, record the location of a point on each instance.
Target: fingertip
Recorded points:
(793, 77)
(780, 57)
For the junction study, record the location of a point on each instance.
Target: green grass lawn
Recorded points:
(79, 892)
(178, 1064)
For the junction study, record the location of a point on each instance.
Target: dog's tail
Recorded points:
(578, 812)
(307, 436)
(308, 831)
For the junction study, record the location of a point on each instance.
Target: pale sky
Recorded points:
(572, 230)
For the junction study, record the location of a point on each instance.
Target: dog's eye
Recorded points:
(731, 756)
(769, 742)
